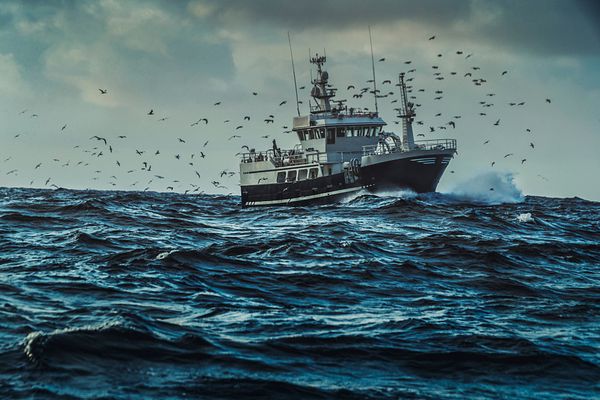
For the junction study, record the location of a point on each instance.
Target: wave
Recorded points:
(109, 341)
(488, 188)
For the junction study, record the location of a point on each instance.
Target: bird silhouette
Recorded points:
(283, 102)
(103, 91)
(431, 38)
(99, 138)
(382, 59)
(151, 112)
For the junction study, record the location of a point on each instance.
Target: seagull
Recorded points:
(262, 179)
(504, 73)
(523, 161)
(122, 137)
(233, 137)
(247, 118)
(254, 94)
(508, 155)
(99, 138)
(452, 124)
(382, 59)
(181, 140)
(151, 112)
(532, 145)
(37, 166)
(217, 103)
(431, 38)
(283, 102)
(239, 127)
(486, 142)
(497, 123)
(548, 101)
(493, 163)
(205, 143)
(103, 91)
(350, 87)
(64, 127)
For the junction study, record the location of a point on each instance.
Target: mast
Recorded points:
(407, 114)
(319, 91)
(294, 73)
(373, 67)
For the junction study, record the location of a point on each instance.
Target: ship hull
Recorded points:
(420, 172)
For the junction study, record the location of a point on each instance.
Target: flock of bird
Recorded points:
(96, 147)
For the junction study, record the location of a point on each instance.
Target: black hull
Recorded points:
(404, 173)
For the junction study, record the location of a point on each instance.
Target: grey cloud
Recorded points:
(537, 26)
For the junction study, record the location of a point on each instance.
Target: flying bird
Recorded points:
(382, 59)
(431, 38)
(99, 138)
(283, 102)
(151, 112)
(103, 91)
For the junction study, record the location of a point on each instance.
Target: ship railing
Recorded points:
(282, 157)
(432, 144)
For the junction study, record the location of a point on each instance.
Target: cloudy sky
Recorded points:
(180, 57)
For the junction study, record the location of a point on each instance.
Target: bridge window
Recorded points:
(341, 132)
(291, 176)
(280, 177)
(313, 173)
(321, 133)
(302, 174)
(330, 135)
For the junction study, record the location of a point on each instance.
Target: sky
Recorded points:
(179, 58)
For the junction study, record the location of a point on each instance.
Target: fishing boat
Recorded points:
(342, 151)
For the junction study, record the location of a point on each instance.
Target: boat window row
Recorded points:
(297, 175)
(340, 131)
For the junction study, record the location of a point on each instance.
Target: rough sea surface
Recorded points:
(148, 295)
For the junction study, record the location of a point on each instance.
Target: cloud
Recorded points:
(538, 26)
(12, 83)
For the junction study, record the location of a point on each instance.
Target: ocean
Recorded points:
(129, 295)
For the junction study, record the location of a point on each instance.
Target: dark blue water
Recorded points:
(148, 295)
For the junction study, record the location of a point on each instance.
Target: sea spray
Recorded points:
(489, 187)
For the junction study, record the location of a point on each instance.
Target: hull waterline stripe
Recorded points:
(303, 198)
